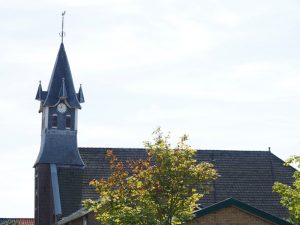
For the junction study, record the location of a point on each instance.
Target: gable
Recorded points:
(234, 212)
(244, 175)
(229, 216)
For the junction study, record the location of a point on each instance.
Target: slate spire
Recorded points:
(61, 83)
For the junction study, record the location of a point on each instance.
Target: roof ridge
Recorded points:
(227, 150)
(111, 148)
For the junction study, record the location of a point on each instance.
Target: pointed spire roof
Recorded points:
(39, 93)
(80, 95)
(61, 83)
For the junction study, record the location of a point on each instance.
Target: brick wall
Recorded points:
(78, 221)
(90, 220)
(226, 216)
(43, 197)
(229, 216)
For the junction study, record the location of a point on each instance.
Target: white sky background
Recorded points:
(225, 72)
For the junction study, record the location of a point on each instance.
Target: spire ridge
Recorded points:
(63, 90)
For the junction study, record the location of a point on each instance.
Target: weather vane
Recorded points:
(62, 33)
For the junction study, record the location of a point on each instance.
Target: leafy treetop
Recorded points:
(162, 189)
(290, 195)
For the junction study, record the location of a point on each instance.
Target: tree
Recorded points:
(162, 189)
(290, 195)
(9, 222)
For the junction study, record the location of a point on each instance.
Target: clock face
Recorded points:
(62, 108)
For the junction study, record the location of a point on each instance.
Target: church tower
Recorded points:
(59, 107)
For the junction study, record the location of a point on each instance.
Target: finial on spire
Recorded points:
(62, 33)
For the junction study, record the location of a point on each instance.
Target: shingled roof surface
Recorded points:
(247, 176)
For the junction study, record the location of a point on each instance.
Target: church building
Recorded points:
(63, 170)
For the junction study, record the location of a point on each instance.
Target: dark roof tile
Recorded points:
(244, 175)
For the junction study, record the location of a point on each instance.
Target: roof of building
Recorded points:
(61, 84)
(20, 221)
(244, 175)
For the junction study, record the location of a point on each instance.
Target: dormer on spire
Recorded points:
(63, 91)
(80, 95)
(39, 94)
(57, 88)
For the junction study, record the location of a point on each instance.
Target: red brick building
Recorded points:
(20, 221)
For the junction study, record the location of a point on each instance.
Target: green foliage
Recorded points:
(9, 222)
(162, 189)
(290, 195)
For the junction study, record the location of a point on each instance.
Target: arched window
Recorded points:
(54, 121)
(68, 121)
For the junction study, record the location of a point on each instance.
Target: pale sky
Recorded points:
(226, 73)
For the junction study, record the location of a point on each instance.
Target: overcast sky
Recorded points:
(226, 73)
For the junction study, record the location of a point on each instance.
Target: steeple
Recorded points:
(60, 104)
(61, 78)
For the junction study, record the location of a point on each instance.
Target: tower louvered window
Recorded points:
(68, 122)
(54, 121)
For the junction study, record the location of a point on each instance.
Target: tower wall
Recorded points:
(43, 196)
(61, 118)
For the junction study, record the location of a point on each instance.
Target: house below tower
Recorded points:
(246, 176)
